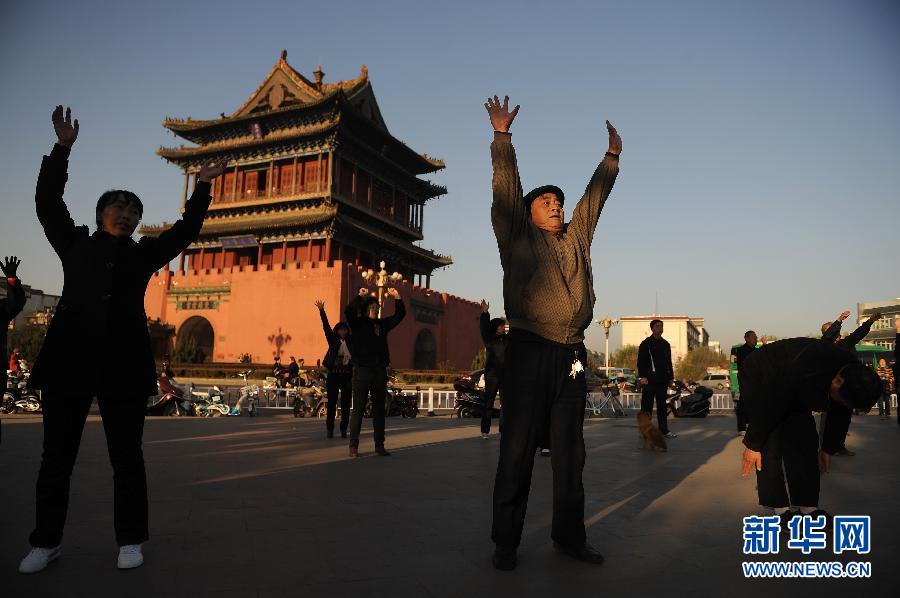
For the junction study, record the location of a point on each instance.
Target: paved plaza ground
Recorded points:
(266, 507)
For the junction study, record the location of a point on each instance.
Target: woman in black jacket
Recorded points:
(340, 371)
(493, 334)
(101, 314)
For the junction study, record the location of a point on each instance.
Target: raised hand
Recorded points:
(393, 293)
(844, 315)
(485, 306)
(875, 317)
(615, 142)
(10, 265)
(321, 305)
(66, 132)
(363, 291)
(501, 117)
(210, 171)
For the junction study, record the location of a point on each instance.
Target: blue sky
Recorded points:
(759, 178)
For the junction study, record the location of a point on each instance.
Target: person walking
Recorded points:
(339, 371)
(370, 358)
(739, 355)
(101, 314)
(493, 335)
(548, 296)
(654, 364)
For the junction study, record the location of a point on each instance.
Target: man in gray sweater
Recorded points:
(549, 300)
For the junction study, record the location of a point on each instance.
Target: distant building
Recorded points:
(37, 303)
(715, 346)
(883, 330)
(684, 333)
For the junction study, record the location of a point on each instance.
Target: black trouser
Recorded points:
(333, 384)
(491, 386)
(657, 391)
(368, 380)
(740, 405)
(123, 422)
(884, 405)
(791, 451)
(537, 386)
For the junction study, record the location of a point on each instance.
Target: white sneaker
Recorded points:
(38, 559)
(130, 556)
(545, 452)
(485, 436)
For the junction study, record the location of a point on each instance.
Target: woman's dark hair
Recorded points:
(861, 386)
(494, 323)
(340, 325)
(111, 196)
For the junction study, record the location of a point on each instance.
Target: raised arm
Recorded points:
(399, 311)
(48, 197)
(587, 211)
(831, 334)
(161, 250)
(484, 323)
(860, 333)
(15, 299)
(326, 327)
(508, 215)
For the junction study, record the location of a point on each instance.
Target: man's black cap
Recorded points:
(535, 193)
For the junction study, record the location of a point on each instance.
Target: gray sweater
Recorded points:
(548, 286)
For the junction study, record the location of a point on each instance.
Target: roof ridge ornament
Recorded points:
(284, 56)
(319, 77)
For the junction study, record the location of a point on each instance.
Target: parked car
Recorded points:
(716, 381)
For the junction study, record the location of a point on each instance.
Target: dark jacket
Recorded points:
(100, 315)
(334, 344)
(495, 345)
(654, 360)
(741, 353)
(9, 309)
(790, 376)
(370, 346)
(548, 286)
(850, 341)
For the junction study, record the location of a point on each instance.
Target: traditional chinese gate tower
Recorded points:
(317, 189)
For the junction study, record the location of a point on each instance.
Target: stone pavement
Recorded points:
(267, 506)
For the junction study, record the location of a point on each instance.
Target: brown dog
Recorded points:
(650, 434)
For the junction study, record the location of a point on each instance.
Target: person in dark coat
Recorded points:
(654, 365)
(739, 355)
(10, 307)
(339, 371)
(548, 297)
(493, 334)
(787, 380)
(101, 314)
(370, 359)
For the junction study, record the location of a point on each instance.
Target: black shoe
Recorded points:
(329, 434)
(354, 451)
(505, 559)
(820, 512)
(343, 434)
(582, 552)
(381, 451)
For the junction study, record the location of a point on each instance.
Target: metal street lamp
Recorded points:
(607, 324)
(382, 281)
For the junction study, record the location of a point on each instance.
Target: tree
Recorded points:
(28, 340)
(187, 351)
(624, 357)
(594, 361)
(480, 360)
(693, 365)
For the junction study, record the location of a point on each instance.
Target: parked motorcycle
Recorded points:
(18, 396)
(249, 395)
(209, 403)
(470, 396)
(171, 399)
(685, 403)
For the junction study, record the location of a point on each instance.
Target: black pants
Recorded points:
(740, 405)
(884, 405)
(333, 384)
(658, 393)
(491, 387)
(791, 451)
(123, 422)
(537, 386)
(366, 381)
